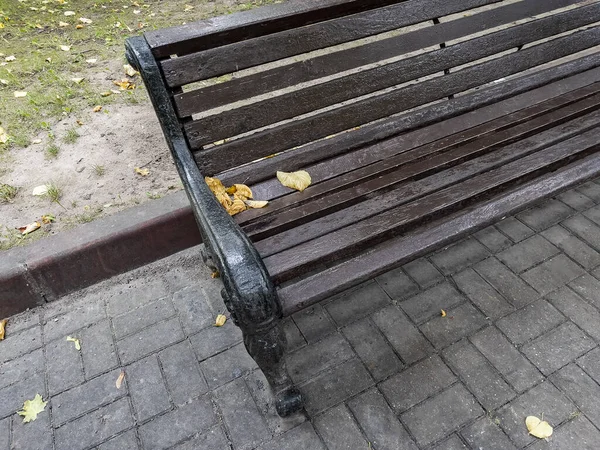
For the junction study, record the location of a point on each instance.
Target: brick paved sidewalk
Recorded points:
(379, 367)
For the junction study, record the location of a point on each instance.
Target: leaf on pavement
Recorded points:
(48, 218)
(295, 180)
(124, 84)
(538, 428)
(3, 323)
(120, 380)
(31, 408)
(97, 108)
(75, 341)
(443, 313)
(29, 228)
(129, 70)
(220, 321)
(40, 190)
(142, 172)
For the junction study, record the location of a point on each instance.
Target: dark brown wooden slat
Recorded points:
(309, 129)
(286, 265)
(339, 192)
(353, 144)
(256, 115)
(413, 190)
(223, 30)
(395, 252)
(253, 52)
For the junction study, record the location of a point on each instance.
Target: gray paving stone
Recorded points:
(356, 304)
(335, 386)
(64, 365)
(478, 375)
(177, 425)
(300, 438)
(21, 368)
(552, 274)
(423, 272)
(581, 389)
(339, 430)
(213, 439)
(429, 303)
(149, 340)
(484, 433)
(575, 200)
(545, 215)
(142, 317)
(406, 339)
(573, 247)
(94, 428)
(543, 399)
(484, 296)
(585, 229)
(246, 427)
(579, 432)
(35, 435)
(493, 239)
(14, 396)
(578, 310)
(15, 345)
(23, 321)
(194, 310)
(514, 229)
(590, 189)
(460, 256)
(590, 362)
(5, 433)
(182, 372)
(226, 366)
(86, 397)
(415, 384)
(98, 349)
(558, 347)
(530, 321)
(373, 349)
(454, 443)
(213, 340)
(294, 338)
(380, 424)
(511, 287)
(314, 323)
(588, 287)
(149, 394)
(459, 322)
(136, 292)
(438, 416)
(593, 214)
(527, 253)
(82, 315)
(125, 441)
(505, 358)
(397, 284)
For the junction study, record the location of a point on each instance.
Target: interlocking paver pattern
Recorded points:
(378, 365)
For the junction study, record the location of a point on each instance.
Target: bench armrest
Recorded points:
(248, 287)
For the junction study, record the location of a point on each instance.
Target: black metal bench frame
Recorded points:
(255, 301)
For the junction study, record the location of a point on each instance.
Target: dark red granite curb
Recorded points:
(74, 259)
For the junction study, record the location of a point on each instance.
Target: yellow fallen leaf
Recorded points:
(220, 321)
(105, 94)
(1, 25)
(79, 122)
(31, 408)
(48, 218)
(77, 80)
(129, 70)
(76, 341)
(40, 190)
(120, 380)
(296, 180)
(3, 136)
(10, 58)
(3, 323)
(20, 94)
(215, 274)
(29, 228)
(237, 206)
(443, 313)
(69, 13)
(49, 60)
(538, 428)
(84, 20)
(256, 204)
(142, 172)
(188, 8)
(124, 84)
(219, 190)
(79, 26)
(242, 190)
(63, 24)
(97, 108)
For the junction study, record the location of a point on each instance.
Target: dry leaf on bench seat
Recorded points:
(295, 180)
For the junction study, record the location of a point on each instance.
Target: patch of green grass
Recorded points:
(99, 170)
(52, 151)
(54, 194)
(71, 136)
(153, 195)
(7, 193)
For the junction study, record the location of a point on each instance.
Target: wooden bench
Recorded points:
(419, 121)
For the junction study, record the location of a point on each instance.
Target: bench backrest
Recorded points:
(257, 84)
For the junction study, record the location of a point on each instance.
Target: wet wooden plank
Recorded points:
(359, 236)
(432, 236)
(309, 129)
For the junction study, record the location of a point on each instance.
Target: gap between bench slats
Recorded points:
(302, 293)
(408, 191)
(362, 144)
(271, 80)
(288, 264)
(250, 117)
(309, 129)
(350, 188)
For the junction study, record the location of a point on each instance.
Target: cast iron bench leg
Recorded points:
(260, 321)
